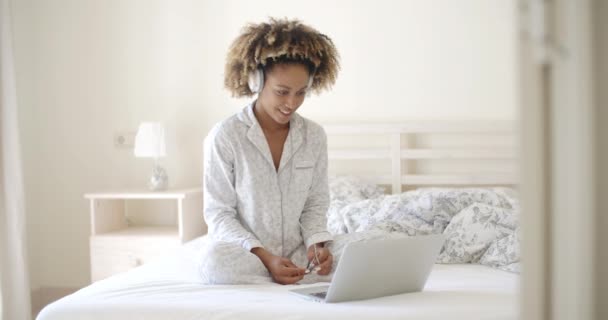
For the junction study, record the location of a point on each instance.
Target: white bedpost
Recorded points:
(396, 171)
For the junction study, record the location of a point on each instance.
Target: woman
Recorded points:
(265, 175)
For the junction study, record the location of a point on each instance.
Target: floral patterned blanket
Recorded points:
(481, 225)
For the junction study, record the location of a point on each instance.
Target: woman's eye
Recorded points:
(302, 93)
(281, 92)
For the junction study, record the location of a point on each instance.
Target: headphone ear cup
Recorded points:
(309, 86)
(256, 80)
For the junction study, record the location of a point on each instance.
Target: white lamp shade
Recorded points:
(150, 140)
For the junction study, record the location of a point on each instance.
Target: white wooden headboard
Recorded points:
(404, 146)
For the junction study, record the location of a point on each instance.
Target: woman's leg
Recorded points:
(227, 263)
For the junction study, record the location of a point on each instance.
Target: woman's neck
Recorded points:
(265, 120)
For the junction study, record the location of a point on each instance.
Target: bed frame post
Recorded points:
(396, 169)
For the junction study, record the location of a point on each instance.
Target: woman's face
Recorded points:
(284, 91)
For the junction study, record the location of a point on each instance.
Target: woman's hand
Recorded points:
(325, 258)
(281, 269)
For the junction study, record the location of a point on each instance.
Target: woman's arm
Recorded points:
(313, 220)
(219, 192)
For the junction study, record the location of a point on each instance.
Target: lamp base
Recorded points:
(159, 180)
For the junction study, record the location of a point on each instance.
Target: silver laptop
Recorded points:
(377, 268)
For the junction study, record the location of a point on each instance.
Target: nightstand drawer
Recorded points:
(114, 254)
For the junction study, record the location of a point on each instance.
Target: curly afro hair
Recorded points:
(280, 41)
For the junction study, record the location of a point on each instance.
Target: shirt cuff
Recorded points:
(318, 237)
(251, 243)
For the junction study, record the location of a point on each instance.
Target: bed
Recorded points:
(170, 289)
(476, 276)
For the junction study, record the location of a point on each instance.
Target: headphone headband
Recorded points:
(256, 80)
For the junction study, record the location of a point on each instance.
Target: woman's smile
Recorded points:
(286, 112)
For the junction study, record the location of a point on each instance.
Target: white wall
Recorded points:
(88, 69)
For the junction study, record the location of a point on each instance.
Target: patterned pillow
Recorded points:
(351, 189)
(472, 231)
(343, 191)
(335, 221)
(504, 253)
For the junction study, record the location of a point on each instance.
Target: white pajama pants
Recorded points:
(228, 263)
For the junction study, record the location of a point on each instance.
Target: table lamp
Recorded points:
(150, 143)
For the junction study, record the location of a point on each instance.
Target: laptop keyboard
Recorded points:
(319, 294)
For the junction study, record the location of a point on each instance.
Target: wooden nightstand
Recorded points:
(119, 243)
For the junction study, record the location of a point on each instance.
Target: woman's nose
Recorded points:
(291, 102)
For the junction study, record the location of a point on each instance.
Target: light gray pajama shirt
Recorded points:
(248, 203)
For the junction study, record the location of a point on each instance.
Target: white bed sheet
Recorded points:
(170, 289)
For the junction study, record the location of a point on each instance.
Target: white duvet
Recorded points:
(170, 289)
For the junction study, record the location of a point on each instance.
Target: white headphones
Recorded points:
(256, 80)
